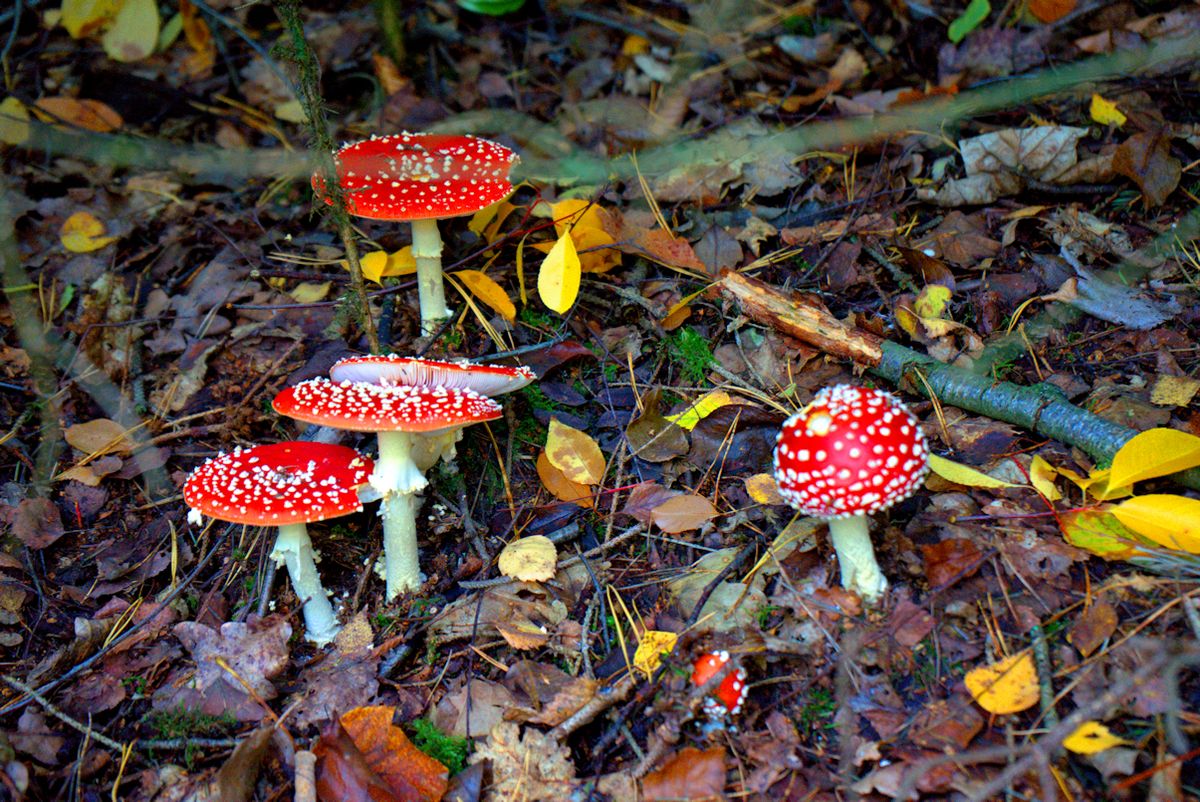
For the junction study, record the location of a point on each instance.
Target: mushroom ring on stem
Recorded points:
(286, 485)
(396, 415)
(422, 178)
(851, 452)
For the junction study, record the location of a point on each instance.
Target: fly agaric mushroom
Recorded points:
(396, 415)
(393, 369)
(422, 178)
(287, 485)
(729, 693)
(851, 452)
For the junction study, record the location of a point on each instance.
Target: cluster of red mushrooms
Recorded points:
(851, 452)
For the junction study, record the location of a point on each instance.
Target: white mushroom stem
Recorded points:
(294, 549)
(851, 538)
(399, 479)
(431, 293)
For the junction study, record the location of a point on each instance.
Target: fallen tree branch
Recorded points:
(1040, 408)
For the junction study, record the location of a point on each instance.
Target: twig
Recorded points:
(86, 730)
(306, 776)
(1045, 672)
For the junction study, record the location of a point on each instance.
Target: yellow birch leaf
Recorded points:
(85, 17)
(14, 121)
(931, 303)
(309, 292)
(1007, 686)
(1169, 520)
(763, 488)
(698, 411)
(1106, 112)
(561, 487)
(485, 288)
(530, 559)
(1091, 737)
(558, 279)
(290, 111)
(650, 649)
(1154, 452)
(963, 475)
(377, 264)
(82, 232)
(1098, 484)
(133, 34)
(1042, 475)
(1168, 391)
(574, 453)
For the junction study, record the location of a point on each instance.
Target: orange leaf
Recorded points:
(689, 774)
(1051, 10)
(683, 513)
(560, 486)
(90, 114)
(411, 773)
(574, 453)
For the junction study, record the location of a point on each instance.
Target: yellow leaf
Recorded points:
(133, 34)
(1106, 112)
(698, 411)
(1098, 484)
(484, 287)
(561, 487)
(650, 649)
(574, 453)
(14, 121)
(310, 292)
(1099, 532)
(1168, 391)
(558, 280)
(1154, 452)
(1042, 474)
(1007, 686)
(763, 488)
(290, 111)
(1091, 737)
(1169, 520)
(82, 233)
(377, 264)
(932, 301)
(683, 513)
(530, 559)
(963, 475)
(85, 17)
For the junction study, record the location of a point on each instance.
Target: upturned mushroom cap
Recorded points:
(421, 176)
(279, 484)
(486, 380)
(852, 451)
(362, 407)
(731, 691)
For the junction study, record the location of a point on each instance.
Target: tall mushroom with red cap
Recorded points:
(422, 178)
(851, 452)
(396, 415)
(393, 369)
(287, 485)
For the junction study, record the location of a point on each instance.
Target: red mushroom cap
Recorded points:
(408, 370)
(852, 451)
(420, 176)
(730, 693)
(364, 407)
(283, 483)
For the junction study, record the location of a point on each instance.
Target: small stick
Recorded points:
(75, 724)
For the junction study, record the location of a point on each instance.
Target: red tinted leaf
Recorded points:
(689, 774)
(37, 523)
(1146, 159)
(950, 561)
(643, 498)
(343, 774)
(412, 775)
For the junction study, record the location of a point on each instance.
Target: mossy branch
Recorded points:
(309, 73)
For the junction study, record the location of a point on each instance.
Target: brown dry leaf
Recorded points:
(560, 486)
(574, 453)
(1051, 10)
(88, 114)
(669, 250)
(951, 560)
(848, 69)
(1146, 159)
(528, 766)
(98, 435)
(409, 772)
(651, 436)
(471, 709)
(643, 498)
(1093, 627)
(343, 772)
(199, 38)
(688, 774)
(683, 513)
(947, 724)
(37, 523)
(522, 634)
(552, 695)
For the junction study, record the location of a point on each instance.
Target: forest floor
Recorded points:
(990, 212)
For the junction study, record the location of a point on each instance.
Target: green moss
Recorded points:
(691, 354)
(448, 750)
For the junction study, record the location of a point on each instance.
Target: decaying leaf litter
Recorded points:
(990, 212)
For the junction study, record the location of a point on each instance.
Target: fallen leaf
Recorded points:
(82, 232)
(1091, 737)
(1105, 111)
(950, 560)
(560, 486)
(37, 522)
(763, 488)
(651, 647)
(961, 474)
(971, 18)
(700, 409)
(688, 774)
(526, 765)
(1146, 159)
(559, 276)
(1093, 627)
(574, 453)
(412, 775)
(530, 559)
(1152, 453)
(91, 115)
(343, 772)
(651, 436)
(377, 265)
(133, 33)
(1007, 686)
(683, 513)
(1169, 520)
(1100, 533)
(1174, 391)
(86, 17)
(14, 121)
(485, 288)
